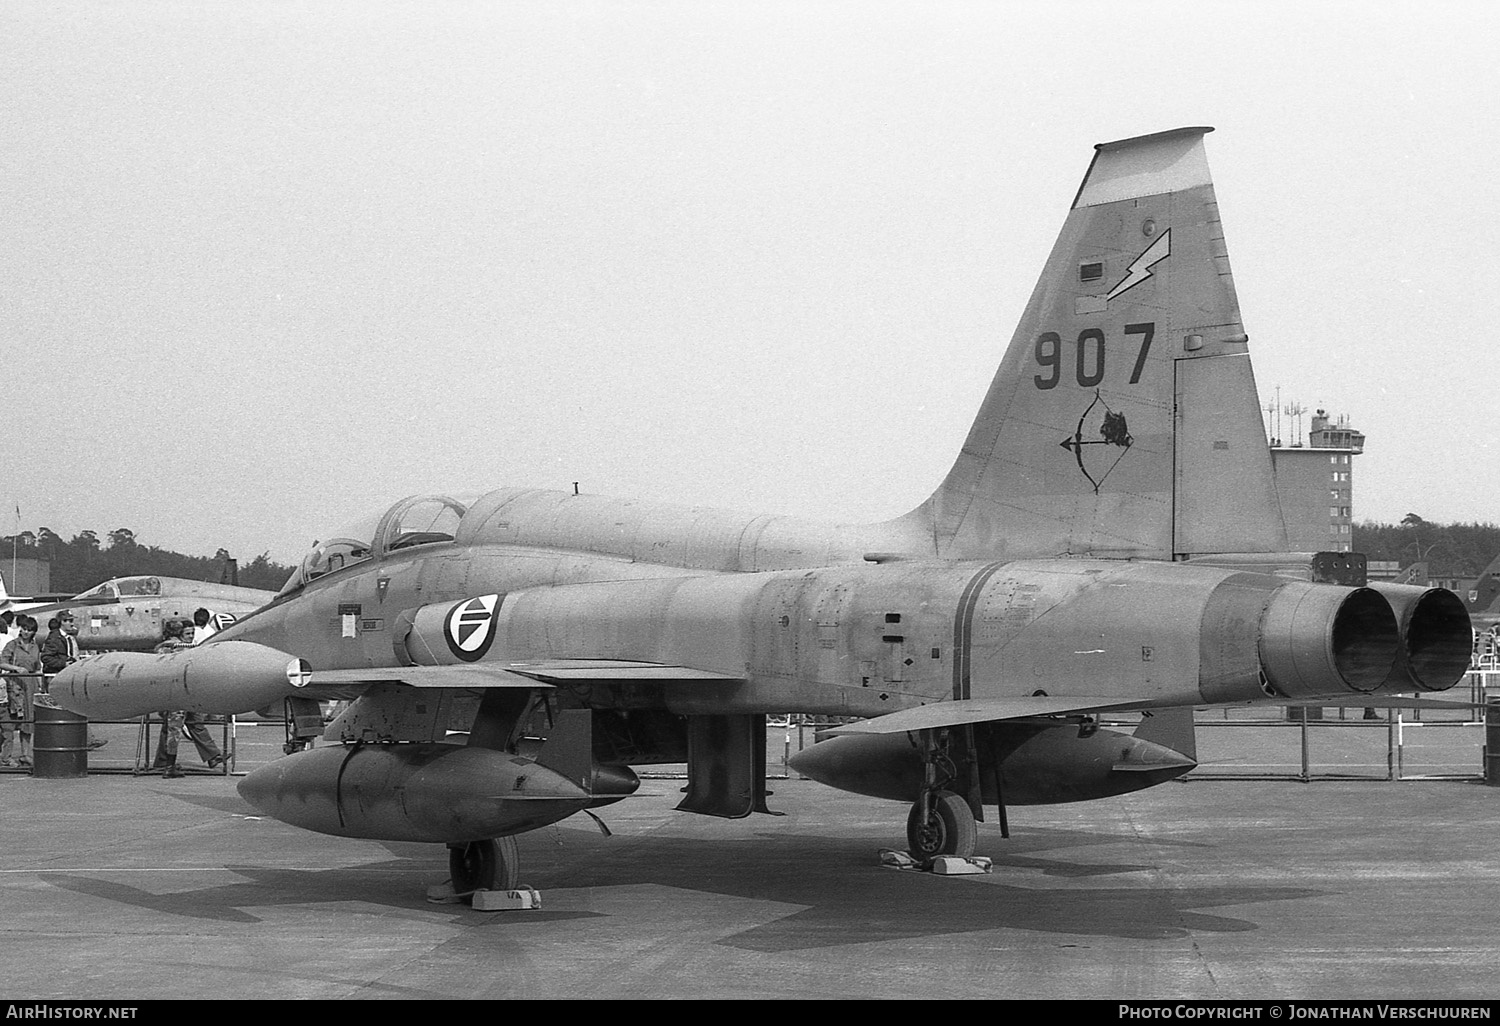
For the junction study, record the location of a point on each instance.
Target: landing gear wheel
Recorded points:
(491, 865)
(948, 830)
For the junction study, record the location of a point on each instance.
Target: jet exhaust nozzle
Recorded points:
(1317, 640)
(1437, 637)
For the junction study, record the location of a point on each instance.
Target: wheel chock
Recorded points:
(943, 865)
(953, 865)
(443, 894)
(485, 900)
(893, 859)
(507, 901)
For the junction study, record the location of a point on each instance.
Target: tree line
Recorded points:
(87, 559)
(1450, 550)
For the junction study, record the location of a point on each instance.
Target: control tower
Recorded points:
(1315, 483)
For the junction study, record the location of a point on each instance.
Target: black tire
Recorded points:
(949, 829)
(490, 865)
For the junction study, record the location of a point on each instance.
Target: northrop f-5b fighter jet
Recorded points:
(1109, 539)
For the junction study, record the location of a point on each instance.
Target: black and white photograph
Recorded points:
(669, 500)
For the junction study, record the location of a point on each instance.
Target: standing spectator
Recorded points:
(166, 748)
(6, 619)
(174, 725)
(54, 649)
(21, 657)
(69, 628)
(203, 625)
(177, 722)
(171, 720)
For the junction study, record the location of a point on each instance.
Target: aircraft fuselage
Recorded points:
(856, 638)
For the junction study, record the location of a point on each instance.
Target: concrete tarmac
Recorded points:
(120, 887)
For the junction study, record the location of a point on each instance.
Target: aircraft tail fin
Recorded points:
(1124, 419)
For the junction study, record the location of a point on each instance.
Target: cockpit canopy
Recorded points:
(413, 522)
(125, 587)
(421, 520)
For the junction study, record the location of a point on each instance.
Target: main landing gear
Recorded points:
(486, 875)
(943, 820)
(945, 827)
(491, 865)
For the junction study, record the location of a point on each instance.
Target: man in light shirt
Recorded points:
(204, 626)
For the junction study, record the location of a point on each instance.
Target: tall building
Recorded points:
(1315, 483)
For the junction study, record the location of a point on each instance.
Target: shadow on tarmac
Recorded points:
(849, 899)
(845, 897)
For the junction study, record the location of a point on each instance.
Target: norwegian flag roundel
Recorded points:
(470, 627)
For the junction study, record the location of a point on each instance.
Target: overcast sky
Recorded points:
(265, 267)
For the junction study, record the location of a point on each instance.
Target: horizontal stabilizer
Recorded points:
(982, 710)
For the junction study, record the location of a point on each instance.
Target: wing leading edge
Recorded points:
(984, 710)
(531, 674)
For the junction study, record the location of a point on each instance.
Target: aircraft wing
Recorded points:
(563, 671)
(983, 710)
(54, 604)
(458, 676)
(531, 674)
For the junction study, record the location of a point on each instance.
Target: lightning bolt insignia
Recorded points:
(1140, 268)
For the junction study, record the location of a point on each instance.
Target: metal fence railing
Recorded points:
(1392, 748)
(59, 738)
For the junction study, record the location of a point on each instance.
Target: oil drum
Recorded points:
(59, 742)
